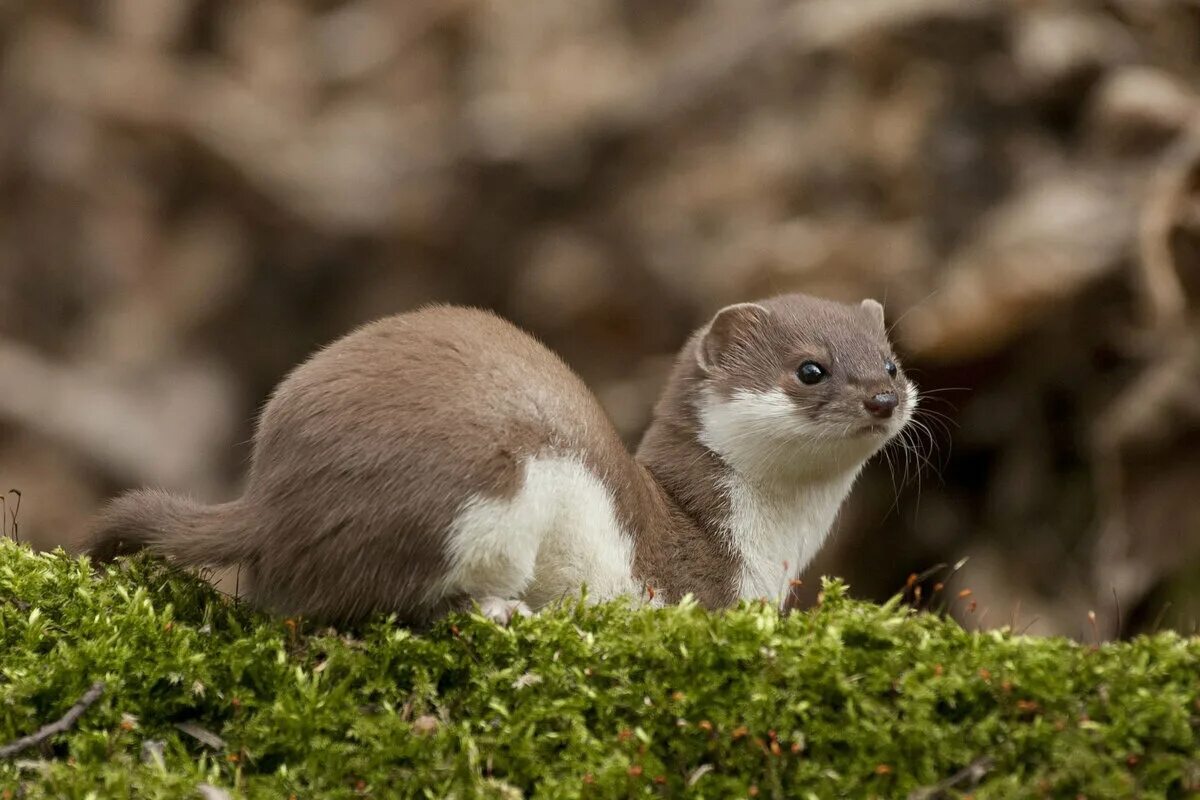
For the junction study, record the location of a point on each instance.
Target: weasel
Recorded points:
(443, 457)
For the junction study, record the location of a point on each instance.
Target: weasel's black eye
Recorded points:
(811, 372)
(890, 366)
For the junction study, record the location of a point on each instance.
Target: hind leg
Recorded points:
(555, 533)
(492, 550)
(495, 576)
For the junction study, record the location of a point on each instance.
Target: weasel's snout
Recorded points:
(882, 405)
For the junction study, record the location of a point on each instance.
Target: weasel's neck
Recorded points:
(756, 526)
(691, 551)
(778, 527)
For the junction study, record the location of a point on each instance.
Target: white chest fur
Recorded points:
(785, 486)
(778, 528)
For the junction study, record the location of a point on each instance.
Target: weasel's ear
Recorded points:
(875, 310)
(730, 323)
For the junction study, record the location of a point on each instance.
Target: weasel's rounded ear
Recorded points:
(730, 323)
(875, 311)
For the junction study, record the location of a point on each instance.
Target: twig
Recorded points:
(1164, 297)
(16, 534)
(61, 725)
(201, 735)
(1162, 612)
(1117, 602)
(970, 775)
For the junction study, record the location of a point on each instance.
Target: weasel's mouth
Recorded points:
(874, 429)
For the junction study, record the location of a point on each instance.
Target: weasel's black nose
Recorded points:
(882, 405)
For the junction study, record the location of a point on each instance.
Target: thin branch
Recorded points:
(202, 735)
(13, 512)
(62, 725)
(970, 775)
(1117, 602)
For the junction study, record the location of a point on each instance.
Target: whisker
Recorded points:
(941, 389)
(911, 309)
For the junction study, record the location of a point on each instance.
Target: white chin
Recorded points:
(880, 430)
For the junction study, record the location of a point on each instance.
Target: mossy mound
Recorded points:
(849, 700)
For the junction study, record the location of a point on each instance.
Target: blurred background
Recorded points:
(196, 193)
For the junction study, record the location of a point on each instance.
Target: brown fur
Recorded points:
(366, 452)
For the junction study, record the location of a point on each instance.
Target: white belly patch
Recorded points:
(559, 532)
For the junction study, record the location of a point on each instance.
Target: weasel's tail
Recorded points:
(186, 531)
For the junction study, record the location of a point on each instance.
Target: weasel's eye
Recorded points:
(890, 366)
(811, 372)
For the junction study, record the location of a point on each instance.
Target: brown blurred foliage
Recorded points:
(198, 192)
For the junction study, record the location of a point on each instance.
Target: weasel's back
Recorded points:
(459, 383)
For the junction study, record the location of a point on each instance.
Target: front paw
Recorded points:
(502, 611)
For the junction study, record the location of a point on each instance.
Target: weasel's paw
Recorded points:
(501, 611)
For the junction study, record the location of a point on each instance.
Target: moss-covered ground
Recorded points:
(849, 700)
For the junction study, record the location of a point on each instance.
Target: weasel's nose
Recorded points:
(882, 405)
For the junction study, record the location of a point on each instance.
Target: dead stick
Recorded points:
(58, 726)
(971, 775)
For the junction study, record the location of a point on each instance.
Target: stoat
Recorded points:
(442, 457)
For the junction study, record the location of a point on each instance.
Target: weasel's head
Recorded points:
(797, 381)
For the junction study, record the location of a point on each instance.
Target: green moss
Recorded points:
(849, 700)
